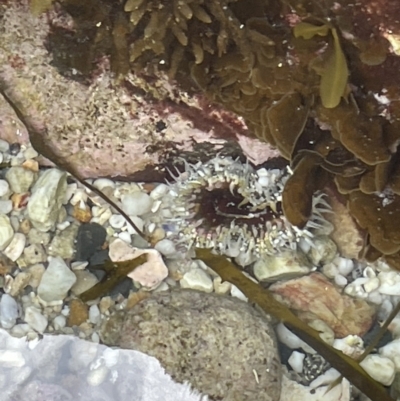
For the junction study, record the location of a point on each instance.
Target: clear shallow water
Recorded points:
(63, 368)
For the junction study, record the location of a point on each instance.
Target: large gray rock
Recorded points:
(46, 200)
(217, 344)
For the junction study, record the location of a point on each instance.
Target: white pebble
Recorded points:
(296, 361)
(6, 231)
(290, 339)
(137, 203)
(159, 191)
(369, 272)
(35, 319)
(94, 314)
(79, 195)
(117, 221)
(20, 330)
(102, 218)
(56, 281)
(62, 226)
(102, 183)
(380, 368)
(138, 223)
(4, 187)
(156, 206)
(79, 265)
(372, 284)
(5, 206)
(8, 311)
(15, 247)
(59, 322)
(125, 236)
(166, 247)
(345, 266)
(392, 351)
(236, 293)
(197, 279)
(340, 280)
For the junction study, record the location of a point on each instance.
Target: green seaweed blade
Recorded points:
(334, 76)
(348, 367)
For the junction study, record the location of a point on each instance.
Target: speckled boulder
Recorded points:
(216, 343)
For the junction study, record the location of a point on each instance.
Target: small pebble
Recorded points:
(94, 314)
(380, 368)
(296, 361)
(166, 247)
(8, 311)
(20, 179)
(56, 281)
(4, 187)
(117, 221)
(6, 232)
(102, 183)
(59, 322)
(125, 236)
(35, 319)
(136, 204)
(159, 191)
(15, 247)
(5, 206)
(197, 279)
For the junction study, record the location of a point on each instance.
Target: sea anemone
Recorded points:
(236, 210)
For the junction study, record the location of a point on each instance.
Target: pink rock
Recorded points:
(106, 129)
(151, 273)
(315, 297)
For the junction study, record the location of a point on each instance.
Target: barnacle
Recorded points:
(231, 207)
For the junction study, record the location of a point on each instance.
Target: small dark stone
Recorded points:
(285, 352)
(99, 257)
(373, 331)
(123, 288)
(15, 148)
(160, 125)
(90, 238)
(100, 274)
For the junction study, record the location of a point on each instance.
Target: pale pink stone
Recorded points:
(315, 297)
(149, 274)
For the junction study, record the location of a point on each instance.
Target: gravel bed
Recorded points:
(55, 233)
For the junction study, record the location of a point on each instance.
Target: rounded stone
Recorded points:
(188, 330)
(20, 179)
(6, 232)
(4, 187)
(137, 203)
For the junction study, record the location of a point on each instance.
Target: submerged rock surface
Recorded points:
(221, 346)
